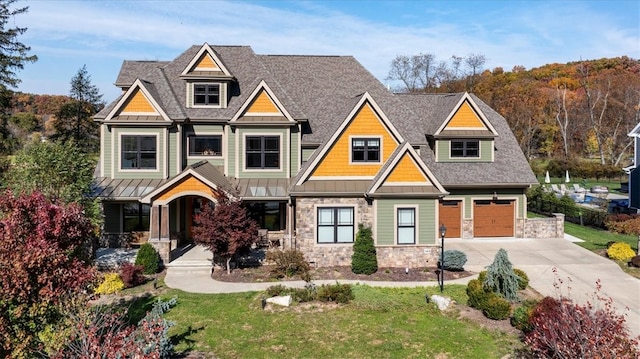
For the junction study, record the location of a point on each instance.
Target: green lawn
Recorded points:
(379, 323)
(595, 239)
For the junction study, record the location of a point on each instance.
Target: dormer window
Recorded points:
(365, 150)
(206, 94)
(465, 148)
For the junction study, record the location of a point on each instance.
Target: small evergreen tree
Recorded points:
(148, 258)
(364, 259)
(501, 278)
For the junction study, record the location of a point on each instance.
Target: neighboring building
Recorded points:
(315, 146)
(634, 171)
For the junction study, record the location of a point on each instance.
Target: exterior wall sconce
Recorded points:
(495, 196)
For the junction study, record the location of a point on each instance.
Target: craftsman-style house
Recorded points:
(634, 170)
(314, 146)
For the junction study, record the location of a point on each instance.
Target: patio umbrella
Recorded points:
(546, 178)
(566, 176)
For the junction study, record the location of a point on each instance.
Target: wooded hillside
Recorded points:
(580, 109)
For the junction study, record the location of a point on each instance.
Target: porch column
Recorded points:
(159, 231)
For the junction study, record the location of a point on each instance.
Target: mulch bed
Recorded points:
(263, 274)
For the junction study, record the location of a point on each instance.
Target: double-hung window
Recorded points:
(138, 152)
(206, 94)
(209, 145)
(335, 225)
(465, 148)
(406, 225)
(262, 152)
(365, 150)
(136, 217)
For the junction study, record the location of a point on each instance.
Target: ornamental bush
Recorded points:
(496, 307)
(148, 258)
(501, 278)
(521, 318)
(523, 278)
(131, 274)
(288, 263)
(620, 251)
(454, 260)
(364, 259)
(476, 293)
(339, 293)
(112, 283)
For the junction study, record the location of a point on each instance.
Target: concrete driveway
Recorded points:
(576, 266)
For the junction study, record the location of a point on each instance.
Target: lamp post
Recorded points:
(443, 232)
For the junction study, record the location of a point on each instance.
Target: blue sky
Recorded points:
(66, 35)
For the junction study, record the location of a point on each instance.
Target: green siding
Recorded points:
(306, 153)
(385, 225)
(470, 195)
(282, 172)
(486, 152)
(106, 151)
(294, 151)
(159, 172)
(231, 152)
(172, 152)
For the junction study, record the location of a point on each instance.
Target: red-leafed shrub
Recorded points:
(131, 274)
(623, 223)
(40, 244)
(561, 328)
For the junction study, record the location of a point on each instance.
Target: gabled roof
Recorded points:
(260, 89)
(204, 172)
(429, 186)
(466, 99)
(635, 132)
(324, 150)
(146, 90)
(205, 61)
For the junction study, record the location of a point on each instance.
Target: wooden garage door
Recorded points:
(493, 218)
(450, 216)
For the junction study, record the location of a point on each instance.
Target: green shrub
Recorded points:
(364, 259)
(523, 278)
(501, 278)
(276, 290)
(521, 318)
(496, 307)
(112, 283)
(302, 295)
(454, 260)
(339, 293)
(148, 258)
(476, 293)
(620, 251)
(288, 263)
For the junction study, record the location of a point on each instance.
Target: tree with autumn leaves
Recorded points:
(225, 228)
(41, 266)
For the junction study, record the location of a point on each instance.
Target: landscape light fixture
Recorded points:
(440, 270)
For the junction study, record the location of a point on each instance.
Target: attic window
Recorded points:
(206, 94)
(465, 148)
(365, 150)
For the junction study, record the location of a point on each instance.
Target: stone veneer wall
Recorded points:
(326, 255)
(545, 227)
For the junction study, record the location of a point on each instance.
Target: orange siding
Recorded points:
(188, 184)
(364, 124)
(465, 117)
(138, 103)
(262, 104)
(206, 62)
(406, 171)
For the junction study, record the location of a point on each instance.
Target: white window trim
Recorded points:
(360, 163)
(415, 224)
(336, 205)
(205, 134)
(159, 165)
(191, 94)
(462, 158)
(243, 155)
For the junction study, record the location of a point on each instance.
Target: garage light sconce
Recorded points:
(495, 196)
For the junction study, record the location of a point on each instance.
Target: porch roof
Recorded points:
(124, 189)
(263, 188)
